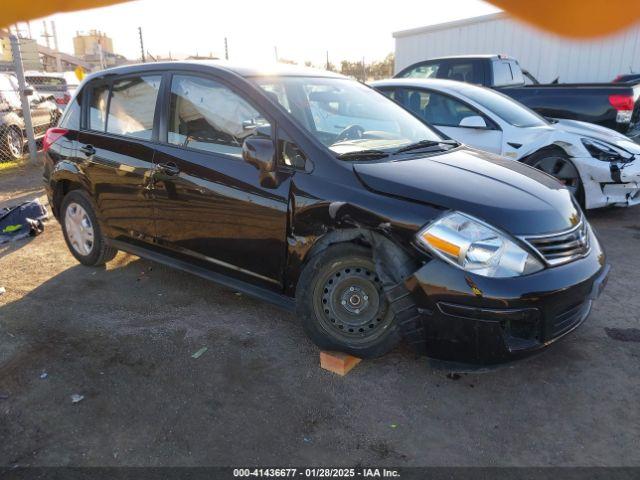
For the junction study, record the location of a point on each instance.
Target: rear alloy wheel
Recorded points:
(13, 143)
(558, 165)
(342, 304)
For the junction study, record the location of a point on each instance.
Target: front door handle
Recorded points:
(169, 168)
(88, 150)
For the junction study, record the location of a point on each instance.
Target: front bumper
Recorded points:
(609, 184)
(473, 319)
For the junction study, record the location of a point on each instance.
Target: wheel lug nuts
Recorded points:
(351, 289)
(365, 297)
(344, 302)
(357, 310)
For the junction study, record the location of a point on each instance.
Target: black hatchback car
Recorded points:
(317, 193)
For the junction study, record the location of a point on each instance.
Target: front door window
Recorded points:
(206, 115)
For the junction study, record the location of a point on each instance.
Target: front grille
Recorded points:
(563, 247)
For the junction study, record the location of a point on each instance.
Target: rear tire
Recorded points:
(557, 163)
(82, 231)
(12, 143)
(342, 305)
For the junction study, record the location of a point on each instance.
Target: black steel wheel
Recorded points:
(342, 304)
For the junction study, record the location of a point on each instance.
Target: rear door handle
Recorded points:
(169, 168)
(88, 150)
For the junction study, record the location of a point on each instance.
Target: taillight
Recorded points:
(64, 100)
(52, 135)
(621, 102)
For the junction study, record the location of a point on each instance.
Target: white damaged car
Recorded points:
(600, 166)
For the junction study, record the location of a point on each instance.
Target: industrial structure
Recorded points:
(546, 56)
(96, 48)
(28, 47)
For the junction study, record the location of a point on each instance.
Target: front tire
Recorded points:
(82, 230)
(557, 163)
(342, 305)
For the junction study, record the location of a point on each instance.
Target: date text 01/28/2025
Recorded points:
(317, 472)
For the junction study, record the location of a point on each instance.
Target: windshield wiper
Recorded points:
(425, 144)
(363, 155)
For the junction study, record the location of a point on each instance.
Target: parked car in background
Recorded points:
(600, 166)
(50, 84)
(612, 105)
(627, 78)
(44, 114)
(371, 230)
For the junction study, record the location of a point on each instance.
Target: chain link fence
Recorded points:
(26, 110)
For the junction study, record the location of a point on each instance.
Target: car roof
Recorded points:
(464, 57)
(433, 83)
(244, 70)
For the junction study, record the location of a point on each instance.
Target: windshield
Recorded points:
(345, 115)
(506, 108)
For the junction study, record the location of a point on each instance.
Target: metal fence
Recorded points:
(25, 115)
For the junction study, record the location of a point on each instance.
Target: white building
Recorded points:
(545, 55)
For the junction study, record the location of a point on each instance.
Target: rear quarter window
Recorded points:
(71, 117)
(98, 101)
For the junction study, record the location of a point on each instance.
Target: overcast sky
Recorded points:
(300, 29)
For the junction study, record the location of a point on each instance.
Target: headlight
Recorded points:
(605, 152)
(476, 247)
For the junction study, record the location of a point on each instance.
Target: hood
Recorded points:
(504, 193)
(604, 134)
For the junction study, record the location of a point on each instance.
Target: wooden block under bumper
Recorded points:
(338, 362)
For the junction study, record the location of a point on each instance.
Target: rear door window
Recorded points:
(434, 108)
(424, 70)
(462, 72)
(467, 70)
(132, 106)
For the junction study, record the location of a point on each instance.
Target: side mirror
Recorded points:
(474, 121)
(28, 91)
(261, 153)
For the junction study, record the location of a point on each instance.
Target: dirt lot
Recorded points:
(123, 337)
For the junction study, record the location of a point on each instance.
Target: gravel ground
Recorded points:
(123, 337)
